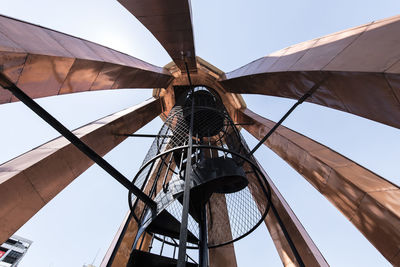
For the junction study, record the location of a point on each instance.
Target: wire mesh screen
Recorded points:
(223, 178)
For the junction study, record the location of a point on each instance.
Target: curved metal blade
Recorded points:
(359, 69)
(306, 248)
(43, 62)
(31, 180)
(171, 23)
(369, 201)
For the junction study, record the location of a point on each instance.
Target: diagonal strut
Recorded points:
(29, 102)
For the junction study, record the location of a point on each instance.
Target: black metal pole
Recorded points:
(287, 236)
(144, 135)
(42, 113)
(186, 193)
(203, 245)
(301, 100)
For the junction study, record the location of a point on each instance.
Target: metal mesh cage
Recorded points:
(236, 204)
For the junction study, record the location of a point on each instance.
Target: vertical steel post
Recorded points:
(203, 246)
(186, 192)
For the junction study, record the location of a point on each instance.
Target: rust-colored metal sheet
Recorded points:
(359, 72)
(308, 251)
(31, 180)
(43, 62)
(171, 23)
(225, 255)
(369, 201)
(119, 252)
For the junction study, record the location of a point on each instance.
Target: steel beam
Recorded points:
(360, 68)
(370, 202)
(44, 62)
(31, 180)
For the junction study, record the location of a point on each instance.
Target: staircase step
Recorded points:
(168, 225)
(146, 259)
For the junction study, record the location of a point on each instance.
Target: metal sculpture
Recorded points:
(199, 163)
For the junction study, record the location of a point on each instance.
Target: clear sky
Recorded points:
(82, 220)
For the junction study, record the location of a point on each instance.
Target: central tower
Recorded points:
(208, 189)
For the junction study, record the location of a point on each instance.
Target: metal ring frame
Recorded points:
(254, 166)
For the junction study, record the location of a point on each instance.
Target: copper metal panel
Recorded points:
(225, 255)
(123, 252)
(352, 67)
(393, 81)
(81, 76)
(222, 256)
(7, 45)
(369, 201)
(12, 64)
(46, 62)
(306, 248)
(29, 181)
(77, 47)
(368, 95)
(107, 76)
(171, 23)
(291, 55)
(326, 49)
(375, 50)
(33, 39)
(43, 75)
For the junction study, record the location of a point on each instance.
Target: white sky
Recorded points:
(83, 219)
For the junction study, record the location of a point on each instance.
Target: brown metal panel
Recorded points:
(222, 256)
(81, 76)
(29, 181)
(220, 230)
(171, 23)
(127, 238)
(12, 65)
(31, 38)
(306, 248)
(44, 62)
(77, 47)
(326, 49)
(291, 55)
(353, 66)
(107, 76)
(7, 45)
(304, 245)
(369, 201)
(375, 50)
(43, 76)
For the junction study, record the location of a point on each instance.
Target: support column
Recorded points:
(225, 255)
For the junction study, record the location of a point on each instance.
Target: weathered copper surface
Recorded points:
(225, 255)
(369, 201)
(31, 180)
(43, 62)
(359, 69)
(123, 252)
(306, 248)
(171, 23)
